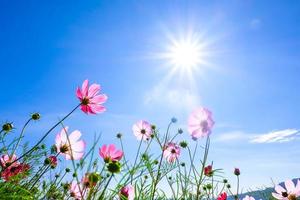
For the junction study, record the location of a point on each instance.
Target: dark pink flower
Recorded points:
(200, 123)
(15, 169)
(142, 130)
(237, 171)
(208, 171)
(171, 152)
(222, 196)
(53, 161)
(72, 148)
(127, 192)
(91, 101)
(110, 153)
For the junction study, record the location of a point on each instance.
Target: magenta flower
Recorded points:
(90, 99)
(290, 192)
(15, 169)
(248, 198)
(72, 148)
(110, 153)
(142, 130)
(222, 196)
(53, 161)
(171, 152)
(127, 193)
(200, 123)
(75, 191)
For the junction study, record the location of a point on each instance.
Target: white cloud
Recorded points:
(233, 135)
(277, 136)
(280, 136)
(255, 23)
(174, 98)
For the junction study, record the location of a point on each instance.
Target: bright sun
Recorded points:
(185, 54)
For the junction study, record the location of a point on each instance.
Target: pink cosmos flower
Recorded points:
(290, 192)
(75, 191)
(248, 198)
(200, 123)
(90, 99)
(142, 130)
(110, 153)
(72, 148)
(222, 196)
(127, 193)
(15, 169)
(7, 159)
(171, 152)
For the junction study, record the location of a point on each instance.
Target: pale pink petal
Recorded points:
(74, 136)
(99, 99)
(277, 196)
(63, 135)
(289, 185)
(93, 90)
(85, 86)
(297, 190)
(97, 108)
(78, 146)
(78, 156)
(279, 189)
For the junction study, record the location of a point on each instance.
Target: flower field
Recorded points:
(102, 171)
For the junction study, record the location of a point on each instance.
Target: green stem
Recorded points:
(46, 134)
(160, 162)
(20, 137)
(102, 194)
(203, 165)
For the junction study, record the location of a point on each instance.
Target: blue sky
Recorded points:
(250, 82)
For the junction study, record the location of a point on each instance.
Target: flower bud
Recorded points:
(173, 120)
(119, 135)
(35, 116)
(183, 144)
(237, 171)
(114, 167)
(7, 127)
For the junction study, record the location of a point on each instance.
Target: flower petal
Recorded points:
(289, 185)
(279, 189)
(74, 136)
(99, 99)
(85, 86)
(93, 90)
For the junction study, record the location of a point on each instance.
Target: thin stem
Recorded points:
(102, 194)
(46, 134)
(238, 186)
(160, 162)
(203, 165)
(136, 157)
(73, 162)
(20, 137)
